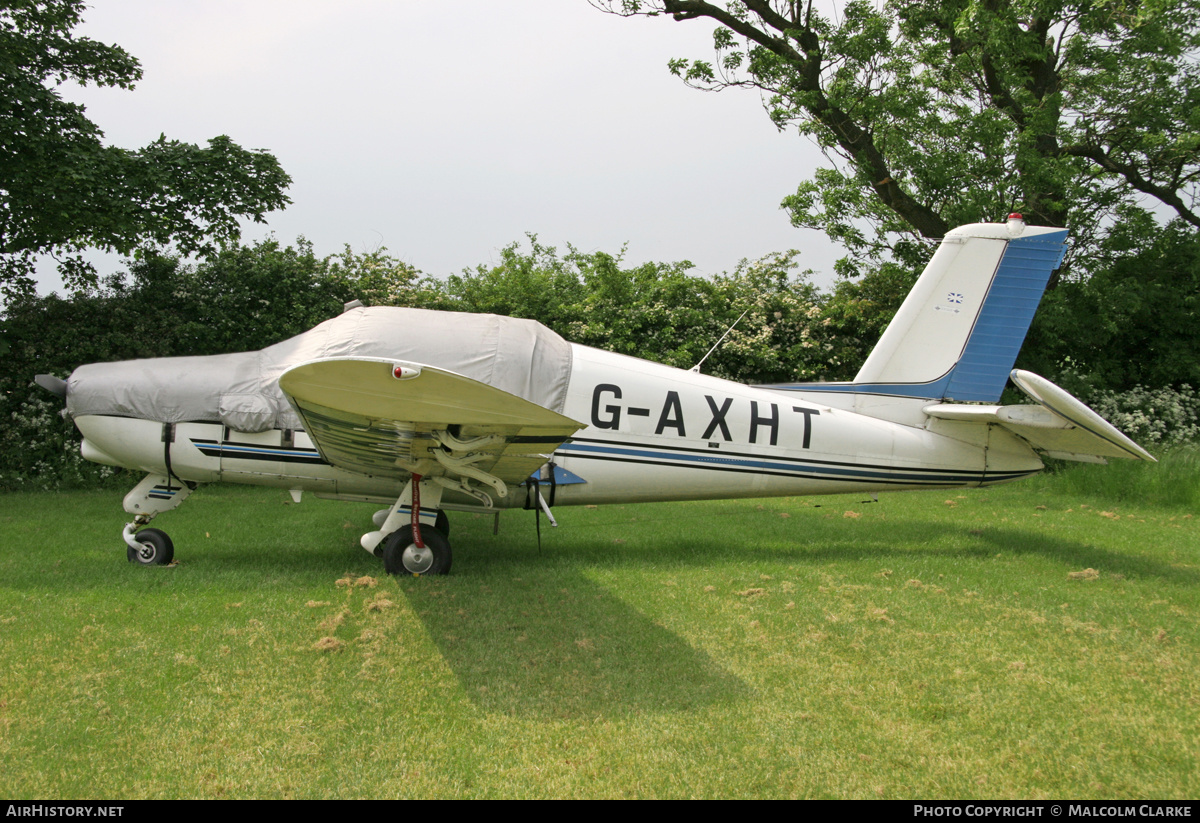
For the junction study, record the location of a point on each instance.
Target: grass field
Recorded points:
(1032, 641)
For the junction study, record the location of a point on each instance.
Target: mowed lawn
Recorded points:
(1029, 641)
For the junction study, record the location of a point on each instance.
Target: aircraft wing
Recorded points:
(390, 418)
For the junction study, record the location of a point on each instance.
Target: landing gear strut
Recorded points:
(153, 496)
(412, 534)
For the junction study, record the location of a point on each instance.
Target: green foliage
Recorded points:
(40, 446)
(378, 279)
(248, 297)
(1134, 321)
(655, 307)
(1152, 417)
(64, 190)
(659, 311)
(537, 285)
(859, 310)
(786, 336)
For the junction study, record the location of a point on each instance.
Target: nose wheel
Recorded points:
(150, 547)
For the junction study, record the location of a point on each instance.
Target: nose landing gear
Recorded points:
(153, 496)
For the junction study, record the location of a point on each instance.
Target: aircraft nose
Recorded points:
(52, 384)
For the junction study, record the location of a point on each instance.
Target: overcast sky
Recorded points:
(447, 130)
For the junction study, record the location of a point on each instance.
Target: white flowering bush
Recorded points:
(42, 449)
(1158, 417)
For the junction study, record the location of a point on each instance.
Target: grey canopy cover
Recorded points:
(521, 357)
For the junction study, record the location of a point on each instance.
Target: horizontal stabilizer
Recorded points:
(1059, 426)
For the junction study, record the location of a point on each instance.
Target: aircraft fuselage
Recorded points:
(653, 433)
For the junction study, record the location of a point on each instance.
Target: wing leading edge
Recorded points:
(392, 418)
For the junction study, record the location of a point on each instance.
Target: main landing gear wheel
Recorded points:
(156, 548)
(402, 556)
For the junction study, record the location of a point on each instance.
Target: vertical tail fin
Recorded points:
(958, 332)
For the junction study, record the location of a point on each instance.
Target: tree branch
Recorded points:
(691, 9)
(856, 142)
(1134, 178)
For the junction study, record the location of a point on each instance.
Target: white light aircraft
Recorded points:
(433, 411)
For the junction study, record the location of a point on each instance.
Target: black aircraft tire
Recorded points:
(157, 548)
(400, 556)
(443, 524)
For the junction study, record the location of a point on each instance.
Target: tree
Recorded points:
(660, 312)
(63, 190)
(537, 285)
(941, 112)
(1134, 322)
